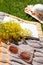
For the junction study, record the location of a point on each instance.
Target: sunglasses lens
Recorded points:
(25, 56)
(13, 49)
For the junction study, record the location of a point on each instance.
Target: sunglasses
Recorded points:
(24, 55)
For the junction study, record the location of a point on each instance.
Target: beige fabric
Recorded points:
(4, 57)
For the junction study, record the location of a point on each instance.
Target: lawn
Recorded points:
(16, 7)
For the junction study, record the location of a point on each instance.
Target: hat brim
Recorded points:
(40, 19)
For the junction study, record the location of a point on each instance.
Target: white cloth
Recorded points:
(32, 27)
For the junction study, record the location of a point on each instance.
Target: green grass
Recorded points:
(16, 7)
